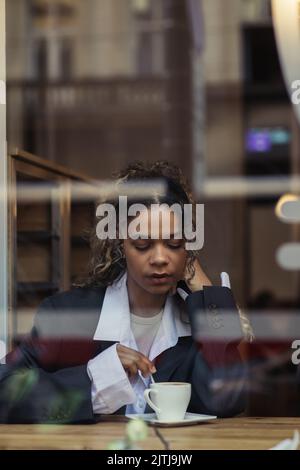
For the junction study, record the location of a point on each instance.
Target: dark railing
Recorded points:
(91, 95)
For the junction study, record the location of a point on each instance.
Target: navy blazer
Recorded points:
(45, 379)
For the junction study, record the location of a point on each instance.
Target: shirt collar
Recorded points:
(114, 321)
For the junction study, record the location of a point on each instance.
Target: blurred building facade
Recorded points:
(96, 84)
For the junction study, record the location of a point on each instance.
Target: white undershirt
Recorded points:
(144, 330)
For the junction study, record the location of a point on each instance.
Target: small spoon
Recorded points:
(152, 379)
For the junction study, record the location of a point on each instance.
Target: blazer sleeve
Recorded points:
(31, 394)
(217, 363)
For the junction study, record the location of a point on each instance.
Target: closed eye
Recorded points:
(175, 247)
(142, 247)
(169, 245)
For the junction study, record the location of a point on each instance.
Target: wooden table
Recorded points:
(233, 433)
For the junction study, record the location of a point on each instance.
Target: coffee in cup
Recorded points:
(169, 400)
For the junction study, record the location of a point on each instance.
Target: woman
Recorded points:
(92, 349)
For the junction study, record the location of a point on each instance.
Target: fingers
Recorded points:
(199, 278)
(133, 361)
(146, 366)
(131, 369)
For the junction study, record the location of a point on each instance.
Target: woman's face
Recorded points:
(156, 264)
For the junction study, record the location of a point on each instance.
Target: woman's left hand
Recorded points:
(197, 282)
(199, 279)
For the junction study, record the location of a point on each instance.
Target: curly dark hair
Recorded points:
(107, 262)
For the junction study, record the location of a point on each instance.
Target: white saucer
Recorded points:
(190, 418)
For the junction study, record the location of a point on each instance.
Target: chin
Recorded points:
(159, 290)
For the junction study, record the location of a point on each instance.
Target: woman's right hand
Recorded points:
(132, 361)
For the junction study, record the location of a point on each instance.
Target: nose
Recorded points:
(159, 255)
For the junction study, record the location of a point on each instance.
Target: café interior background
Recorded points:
(95, 84)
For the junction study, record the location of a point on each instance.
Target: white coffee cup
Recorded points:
(169, 400)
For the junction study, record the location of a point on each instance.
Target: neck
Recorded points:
(143, 303)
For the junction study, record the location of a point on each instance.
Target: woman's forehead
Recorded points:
(157, 223)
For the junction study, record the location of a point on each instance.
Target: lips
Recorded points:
(160, 278)
(160, 275)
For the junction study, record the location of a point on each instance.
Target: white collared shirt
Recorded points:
(111, 387)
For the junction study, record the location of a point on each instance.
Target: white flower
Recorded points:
(136, 430)
(117, 445)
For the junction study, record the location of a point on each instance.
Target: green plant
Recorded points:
(136, 431)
